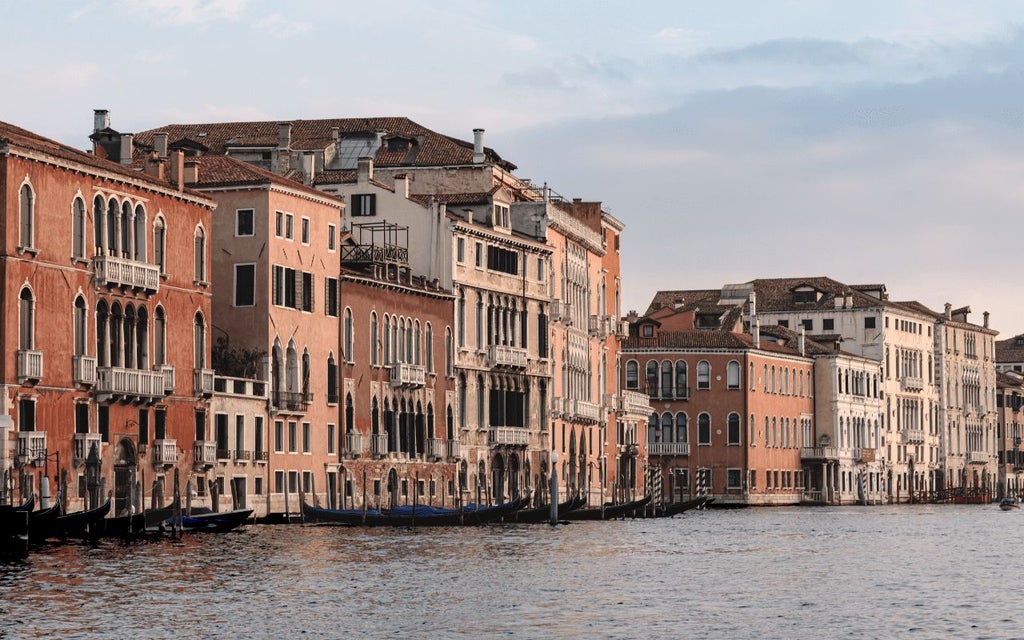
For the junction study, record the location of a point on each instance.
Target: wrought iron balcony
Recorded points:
(435, 448)
(408, 375)
(635, 403)
(291, 401)
(81, 443)
(512, 436)
(224, 455)
(241, 455)
(502, 355)
(204, 453)
(260, 456)
(119, 381)
(32, 447)
(203, 381)
(165, 452)
(912, 436)
(83, 369)
(819, 453)
(668, 448)
(454, 449)
(978, 457)
(353, 444)
(121, 272)
(379, 445)
(30, 366)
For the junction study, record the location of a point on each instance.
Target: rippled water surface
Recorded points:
(921, 572)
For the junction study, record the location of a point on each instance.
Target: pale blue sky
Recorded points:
(866, 141)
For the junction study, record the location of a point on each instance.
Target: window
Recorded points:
(239, 434)
(81, 318)
(652, 378)
(460, 250)
(245, 285)
(632, 375)
(27, 415)
(160, 245)
(289, 226)
(682, 434)
(647, 331)
(304, 231)
(807, 323)
(159, 337)
(26, 320)
(501, 216)
(703, 375)
(784, 323)
(331, 297)
(828, 324)
(330, 438)
(503, 260)
(78, 229)
(244, 222)
(704, 429)
(200, 255)
(666, 379)
(374, 340)
(479, 255)
(199, 341)
(278, 436)
(733, 429)
(364, 204)
(332, 237)
(732, 375)
(732, 478)
(279, 224)
(27, 201)
(349, 336)
(258, 438)
(307, 434)
(428, 338)
(293, 437)
(869, 322)
(307, 291)
(332, 380)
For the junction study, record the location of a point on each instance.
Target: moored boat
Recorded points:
(1009, 504)
(215, 522)
(675, 508)
(80, 524)
(543, 513)
(13, 533)
(413, 515)
(609, 511)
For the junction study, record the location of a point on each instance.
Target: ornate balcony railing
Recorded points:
(260, 456)
(379, 445)
(122, 272)
(668, 448)
(30, 366)
(81, 444)
(408, 375)
(513, 436)
(291, 400)
(502, 355)
(120, 381)
(165, 452)
(353, 444)
(635, 403)
(912, 436)
(819, 453)
(978, 457)
(561, 311)
(203, 381)
(32, 446)
(454, 449)
(83, 369)
(584, 411)
(167, 371)
(204, 453)
(435, 448)
(911, 383)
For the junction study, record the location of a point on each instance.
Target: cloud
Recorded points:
(184, 12)
(806, 51)
(278, 26)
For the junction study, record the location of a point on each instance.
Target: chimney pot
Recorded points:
(191, 172)
(985, 321)
(364, 170)
(100, 119)
(478, 146)
(160, 144)
(127, 147)
(177, 167)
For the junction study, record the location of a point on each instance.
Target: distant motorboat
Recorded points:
(1009, 504)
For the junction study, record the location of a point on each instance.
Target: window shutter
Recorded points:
(297, 277)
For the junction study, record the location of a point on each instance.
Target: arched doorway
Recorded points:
(513, 476)
(498, 479)
(392, 489)
(125, 464)
(570, 479)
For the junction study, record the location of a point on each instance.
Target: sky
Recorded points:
(870, 141)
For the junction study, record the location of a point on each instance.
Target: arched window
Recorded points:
(375, 417)
(666, 427)
(99, 209)
(632, 374)
(462, 402)
(102, 326)
(160, 244)
(480, 321)
(199, 340)
(306, 371)
(462, 318)
(480, 391)
(704, 429)
(116, 327)
(349, 345)
(732, 374)
(111, 220)
(159, 337)
(652, 378)
(81, 326)
(78, 228)
(733, 428)
(387, 340)
(350, 415)
(449, 356)
(26, 320)
(666, 379)
(429, 340)
(374, 340)
(142, 338)
(200, 255)
(128, 335)
(682, 428)
(653, 429)
(332, 380)
(140, 233)
(27, 222)
(682, 379)
(126, 229)
(703, 375)
(418, 344)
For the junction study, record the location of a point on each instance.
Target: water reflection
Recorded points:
(778, 573)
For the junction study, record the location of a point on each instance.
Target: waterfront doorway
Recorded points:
(392, 489)
(125, 463)
(238, 491)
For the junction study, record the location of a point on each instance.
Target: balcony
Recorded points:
(668, 448)
(912, 436)
(410, 376)
(583, 411)
(224, 455)
(30, 366)
(510, 436)
(82, 444)
(500, 355)
(622, 328)
(599, 326)
(379, 445)
(121, 272)
(32, 446)
(83, 370)
(241, 455)
(561, 312)
(353, 444)
(260, 457)
(635, 403)
(911, 383)
(204, 453)
(435, 448)
(167, 371)
(454, 450)
(203, 381)
(292, 401)
(819, 453)
(165, 453)
(978, 457)
(118, 381)
(611, 402)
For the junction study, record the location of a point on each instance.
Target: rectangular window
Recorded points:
(479, 255)
(732, 478)
(293, 437)
(103, 413)
(289, 224)
(239, 435)
(364, 204)
(279, 223)
(159, 424)
(807, 323)
(784, 323)
(332, 237)
(460, 250)
(244, 222)
(503, 260)
(284, 286)
(143, 425)
(306, 434)
(82, 418)
(245, 285)
(869, 322)
(279, 482)
(331, 297)
(304, 230)
(258, 436)
(293, 482)
(278, 436)
(257, 485)
(828, 324)
(540, 269)
(307, 291)
(683, 478)
(307, 481)
(330, 438)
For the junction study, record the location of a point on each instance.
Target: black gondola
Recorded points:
(543, 514)
(215, 522)
(13, 533)
(609, 511)
(41, 523)
(413, 516)
(80, 524)
(28, 505)
(675, 508)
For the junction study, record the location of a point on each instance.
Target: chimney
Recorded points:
(177, 167)
(100, 119)
(469, 215)
(160, 144)
(307, 167)
(949, 311)
(284, 147)
(127, 146)
(364, 170)
(803, 340)
(191, 172)
(402, 185)
(756, 329)
(335, 134)
(155, 166)
(985, 321)
(752, 308)
(478, 146)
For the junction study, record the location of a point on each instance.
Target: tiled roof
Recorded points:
(222, 171)
(1009, 379)
(16, 136)
(697, 339)
(687, 300)
(428, 148)
(1009, 351)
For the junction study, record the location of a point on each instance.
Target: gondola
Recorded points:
(80, 524)
(610, 511)
(543, 514)
(13, 534)
(28, 505)
(215, 522)
(675, 508)
(40, 523)
(413, 516)
(137, 524)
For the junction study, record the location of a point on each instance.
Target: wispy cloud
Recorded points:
(182, 12)
(281, 27)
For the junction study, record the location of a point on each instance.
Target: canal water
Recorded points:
(881, 572)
